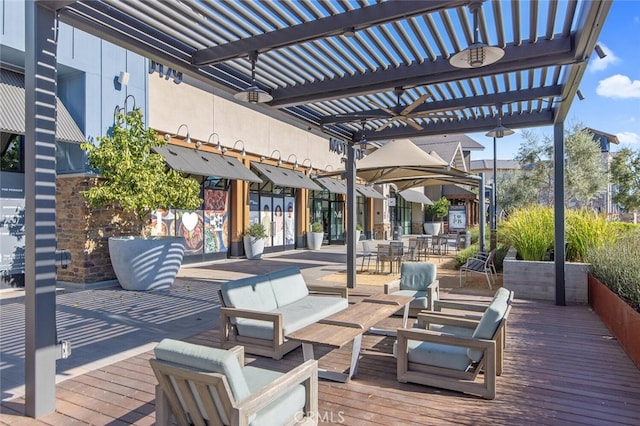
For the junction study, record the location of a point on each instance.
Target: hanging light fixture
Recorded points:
(253, 94)
(187, 138)
(499, 131)
(478, 54)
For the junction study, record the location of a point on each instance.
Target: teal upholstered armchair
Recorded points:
(418, 280)
(202, 385)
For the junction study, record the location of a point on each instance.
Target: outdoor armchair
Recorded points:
(200, 385)
(454, 357)
(418, 280)
(481, 263)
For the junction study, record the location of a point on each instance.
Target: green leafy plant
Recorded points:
(530, 231)
(585, 230)
(359, 227)
(132, 176)
(256, 230)
(439, 208)
(616, 266)
(316, 227)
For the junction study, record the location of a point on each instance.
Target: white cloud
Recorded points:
(619, 86)
(628, 137)
(597, 64)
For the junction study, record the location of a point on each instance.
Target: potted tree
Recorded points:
(135, 180)
(254, 240)
(315, 237)
(434, 215)
(358, 232)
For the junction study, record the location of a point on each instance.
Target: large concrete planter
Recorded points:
(537, 280)
(146, 264)
(621, 319)
(314, 240)
(253, 247)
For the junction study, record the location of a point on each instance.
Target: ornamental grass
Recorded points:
(530, 231)
(584, 230)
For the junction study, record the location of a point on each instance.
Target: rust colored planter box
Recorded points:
(620, 318)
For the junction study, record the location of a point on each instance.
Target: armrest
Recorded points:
(405, 334)
(426, 318)
(306, 372)
(463, 306)
(247, 313)
(392, 286)
(341, 291)
(433, 293)
(238, 351)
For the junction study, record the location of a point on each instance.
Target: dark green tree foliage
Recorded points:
(132, 175)
(625, 175)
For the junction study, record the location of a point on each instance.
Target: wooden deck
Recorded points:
(561, 367)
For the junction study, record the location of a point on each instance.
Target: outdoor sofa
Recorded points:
(258, 312)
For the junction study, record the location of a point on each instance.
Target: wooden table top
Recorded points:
(342, 327)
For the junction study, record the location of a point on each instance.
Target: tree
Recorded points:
(584, 172)
(438, 209)
(133, 176)
(625, 175)
(515, 191)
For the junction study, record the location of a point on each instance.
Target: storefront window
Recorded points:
(274, 206)
(328, 208)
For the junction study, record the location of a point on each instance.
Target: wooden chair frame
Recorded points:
(189, 382)
(277, 346)
(491, 362)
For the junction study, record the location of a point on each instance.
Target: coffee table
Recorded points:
(347, 326)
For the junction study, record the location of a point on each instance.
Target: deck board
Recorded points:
(561, 367)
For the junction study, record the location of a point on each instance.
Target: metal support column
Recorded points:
(482, 219)
(351, 212)
(493, 243)
(40, 209)
(558, 201)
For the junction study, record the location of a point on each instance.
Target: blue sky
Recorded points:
(611, 87)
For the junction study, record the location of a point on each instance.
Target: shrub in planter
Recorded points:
(530, 231)
(464, 254)
(586, 229)
(254, 240)
(617, 266)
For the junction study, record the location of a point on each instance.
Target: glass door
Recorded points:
(336, 223)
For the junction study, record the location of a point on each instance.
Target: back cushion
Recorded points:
(288, 285)
(249, 293)
(205, 359)
(488, 324)
(417, 275)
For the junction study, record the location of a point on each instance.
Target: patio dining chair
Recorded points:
(201, 385)
(366, 254)
(481, 263)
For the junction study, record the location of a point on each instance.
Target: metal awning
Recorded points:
(368, 191)
(202, 163)
(286, 177)
(333, 185)
(415, 196)
(12, 111)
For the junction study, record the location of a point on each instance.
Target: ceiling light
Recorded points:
(478, 54)
(580, 95)
(499, 131)
(601, 53)
(253, 94)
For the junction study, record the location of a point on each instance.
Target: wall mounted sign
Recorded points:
(340, 147)
(165, 71)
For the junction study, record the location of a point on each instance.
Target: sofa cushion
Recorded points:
(253, 293)
(206, 359)
(294, 316)
(489, 322)
(288, 285)
(283, 408)
(437, 355)
(417, 275)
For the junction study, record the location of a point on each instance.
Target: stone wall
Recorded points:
(536, 280)
(85, 232)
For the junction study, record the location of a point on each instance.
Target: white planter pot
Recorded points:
(146, 264)
(253, 247)
(357, 236)
(314, 240)
(432, 228)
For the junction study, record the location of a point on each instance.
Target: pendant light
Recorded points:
(253, 94)
(499, 131)
(478, 54)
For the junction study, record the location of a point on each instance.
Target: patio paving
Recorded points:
(562, 366)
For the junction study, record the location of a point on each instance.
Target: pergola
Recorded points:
(348, 68)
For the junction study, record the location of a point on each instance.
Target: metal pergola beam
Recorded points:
(329, 26)
(541, 54)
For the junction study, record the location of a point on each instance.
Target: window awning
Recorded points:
(368, 191)
(415, 196)
(286, 177)
(332, 185)
(202, 163)
(12, 119)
